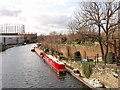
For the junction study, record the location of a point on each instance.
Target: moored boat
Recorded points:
(39, 52)
(32, 49)
(53, 62)
(96, 83)
(76, 72)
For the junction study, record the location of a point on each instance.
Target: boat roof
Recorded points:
(75, 69)
(55, 59)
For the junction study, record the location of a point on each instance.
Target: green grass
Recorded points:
(82, 44)
(89, 44)
(66, 58)
(100, 62)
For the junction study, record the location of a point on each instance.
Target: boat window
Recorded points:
(76, 71)
(50, 61)
(61, 66)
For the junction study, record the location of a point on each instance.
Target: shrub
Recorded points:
(87, 68)
(111, 57)
(65, 58)
(46, 50)
(63, 39)
(79, 42)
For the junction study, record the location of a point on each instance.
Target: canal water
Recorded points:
(22, 68)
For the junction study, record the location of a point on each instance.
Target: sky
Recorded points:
(41, 16)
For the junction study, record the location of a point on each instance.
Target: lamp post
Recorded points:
(119, 34)
(119, 46)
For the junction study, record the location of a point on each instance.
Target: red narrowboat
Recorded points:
(52, 61)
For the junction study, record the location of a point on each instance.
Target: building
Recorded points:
(29, 37)
(15, 33)
(12, 28)
(11, 39)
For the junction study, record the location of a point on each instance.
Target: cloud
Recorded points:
(47, 29)
(46, 23)
(46, 3)
(41, 16)
(56, 21)
(53, 22)
(9, 11)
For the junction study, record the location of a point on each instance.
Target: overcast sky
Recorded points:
(41, 16)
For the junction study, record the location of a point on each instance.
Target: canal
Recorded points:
(22, 68)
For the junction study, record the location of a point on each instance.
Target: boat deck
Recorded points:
(55, 59)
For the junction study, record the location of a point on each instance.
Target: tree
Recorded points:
(102, 16)
(63, 39)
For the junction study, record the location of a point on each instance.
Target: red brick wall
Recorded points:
(69, 50)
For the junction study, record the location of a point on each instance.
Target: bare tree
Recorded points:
(100, 15)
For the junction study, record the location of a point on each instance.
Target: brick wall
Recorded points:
(69, 50)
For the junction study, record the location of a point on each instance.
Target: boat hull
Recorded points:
(59, 68)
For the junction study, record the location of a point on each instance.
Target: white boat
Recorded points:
(24, 43)
(115, 75)
(38, 44)
(96, 83)
(35, 46)
(33, 49)
(76, 72)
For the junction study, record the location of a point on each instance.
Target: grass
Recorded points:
(87, 44)
(82, 44)
(100, 62)
(66, 58)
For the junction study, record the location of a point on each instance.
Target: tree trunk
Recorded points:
(100, 42)
(102, 51)
(107, 45)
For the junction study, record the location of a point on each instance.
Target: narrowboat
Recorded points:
(32, 49)
(53, 62)
(39, 52)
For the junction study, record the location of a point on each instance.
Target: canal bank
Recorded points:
(104, 75)
(4, 47)
(83, 80)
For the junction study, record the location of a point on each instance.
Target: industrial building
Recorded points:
(15, 34)
(12, 28)
(11, 39)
